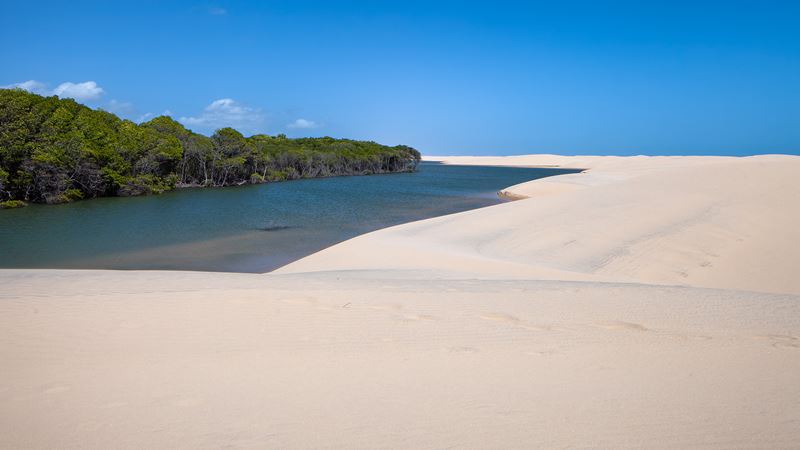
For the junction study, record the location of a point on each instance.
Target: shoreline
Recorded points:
(646, 302)
(402, 199)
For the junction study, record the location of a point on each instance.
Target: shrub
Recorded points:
(10, 204)
(72, 195)
(276, 175)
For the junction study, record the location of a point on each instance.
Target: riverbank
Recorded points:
(647, 302)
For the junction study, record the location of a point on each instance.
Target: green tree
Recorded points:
(55, 150)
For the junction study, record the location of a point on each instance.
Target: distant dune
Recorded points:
(648, 302)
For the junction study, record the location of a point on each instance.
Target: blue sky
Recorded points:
(446, 77)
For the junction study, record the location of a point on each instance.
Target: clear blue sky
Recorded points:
(492, 77)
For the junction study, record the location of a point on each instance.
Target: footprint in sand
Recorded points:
(700, 337)
(781, 340)
(419, 317)
(618, 325)
(622, 326)
(500, 317)
(515, 321)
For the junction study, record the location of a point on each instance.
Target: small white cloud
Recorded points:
(226, 112)
(88, 90)
(37, 87)
(302, 124)
(217, 11)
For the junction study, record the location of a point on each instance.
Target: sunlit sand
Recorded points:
(645, 303)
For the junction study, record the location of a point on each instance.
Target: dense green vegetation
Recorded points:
(56, 150)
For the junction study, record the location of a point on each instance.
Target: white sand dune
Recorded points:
(730, 223)
(645, 303)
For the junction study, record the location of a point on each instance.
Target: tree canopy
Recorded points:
(55, 150)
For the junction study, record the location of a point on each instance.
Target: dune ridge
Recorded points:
(646, 302)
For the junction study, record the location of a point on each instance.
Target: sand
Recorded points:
(731, 223)
(647, 302)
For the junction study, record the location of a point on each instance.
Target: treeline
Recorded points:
(56, 150)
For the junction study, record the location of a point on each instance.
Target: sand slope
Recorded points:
(696, 221)
(183, 360)
(549, 322)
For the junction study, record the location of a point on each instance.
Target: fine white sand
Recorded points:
(647, 302)
(731, 223)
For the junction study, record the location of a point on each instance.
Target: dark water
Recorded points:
(242, 229)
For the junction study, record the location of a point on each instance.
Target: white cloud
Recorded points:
(217, 11)
(86, 91)
(226, 112)
(302, 124)
(37, 87)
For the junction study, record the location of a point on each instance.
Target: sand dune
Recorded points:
(697, 221)
(645, 303)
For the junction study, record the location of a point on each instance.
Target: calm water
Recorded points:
(242, 229)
